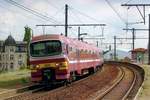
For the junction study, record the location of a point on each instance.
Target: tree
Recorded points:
(27, 38)
(27, 35)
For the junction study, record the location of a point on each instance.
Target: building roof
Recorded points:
(10, 41)
(139, 50)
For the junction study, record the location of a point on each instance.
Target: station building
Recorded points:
(140, 55)
(13, 54)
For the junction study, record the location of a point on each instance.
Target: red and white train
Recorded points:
(59, 58)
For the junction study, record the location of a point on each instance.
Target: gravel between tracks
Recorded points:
(120, 89)
(80, 90)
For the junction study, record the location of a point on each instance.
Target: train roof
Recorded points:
(73, 42)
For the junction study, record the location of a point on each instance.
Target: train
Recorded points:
(57, 58)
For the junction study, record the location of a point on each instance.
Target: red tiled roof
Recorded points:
(139, 50)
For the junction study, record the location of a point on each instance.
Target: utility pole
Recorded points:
(109, 47)
(114, 47)
(142, 13)
(66, 23)
(149, 43)
(133, 38)
(79, 33)
(133, 35)
(43, 28)
(97, 43)
(66, 20)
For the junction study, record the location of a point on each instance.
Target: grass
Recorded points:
(14, 79)
(145, 92)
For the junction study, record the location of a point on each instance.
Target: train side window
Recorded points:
(70, 48)
(101, 54)
(78, 52)
(81, 51)
(65, 48)
(90, 52)
(93, 52)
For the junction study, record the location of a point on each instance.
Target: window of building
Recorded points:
(3, 65)
(20, 63)
(6, 65)
(11, 49)
(11, 57)
(3, 57)
(11, 65)
(20, 56)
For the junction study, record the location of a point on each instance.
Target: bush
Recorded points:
(22, 67)
(24, 80)
(127, 59)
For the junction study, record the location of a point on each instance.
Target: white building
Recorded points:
(13, 54)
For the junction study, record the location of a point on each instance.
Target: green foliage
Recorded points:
(22, 68)
(24, 80)
(27, 35)
(27, 38)
(14, 78)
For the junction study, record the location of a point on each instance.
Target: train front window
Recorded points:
(45, 48)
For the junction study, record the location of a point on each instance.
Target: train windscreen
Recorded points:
(45, 48)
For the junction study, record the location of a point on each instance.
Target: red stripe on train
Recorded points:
(47, 61)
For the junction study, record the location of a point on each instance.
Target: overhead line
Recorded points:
(135, 5)
(85, 15)
(10, 10)
(75, 15)
(72, 25)
(115, 11)
(52, 4)
(31, 11)
(128, 1)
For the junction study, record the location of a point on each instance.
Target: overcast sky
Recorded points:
(13, 19)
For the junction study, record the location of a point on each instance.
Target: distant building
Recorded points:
(120, 54)
(140, 55)
(13, 54)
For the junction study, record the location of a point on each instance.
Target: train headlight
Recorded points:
(62, 64)
(37, 66)
(34, 67)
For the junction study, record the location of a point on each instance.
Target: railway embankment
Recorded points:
(13, 80)
(144, 92)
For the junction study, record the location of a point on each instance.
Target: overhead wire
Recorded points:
(52, 4)
(128, 1)
(92, 18)
(31, 11)
(24, 15)
(76, 16)
(58, 11)
(85, 15)
(115, 11)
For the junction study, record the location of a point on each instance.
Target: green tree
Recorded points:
(27, 35)
(27, 38)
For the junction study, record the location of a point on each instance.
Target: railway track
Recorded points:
(120, 89)
(115, 82)
(19, 91)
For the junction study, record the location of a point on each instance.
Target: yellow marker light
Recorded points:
(63, 65)
(37, 66)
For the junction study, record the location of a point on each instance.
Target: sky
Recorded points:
(13, 19)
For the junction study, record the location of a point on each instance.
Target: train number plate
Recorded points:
(47, 65)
